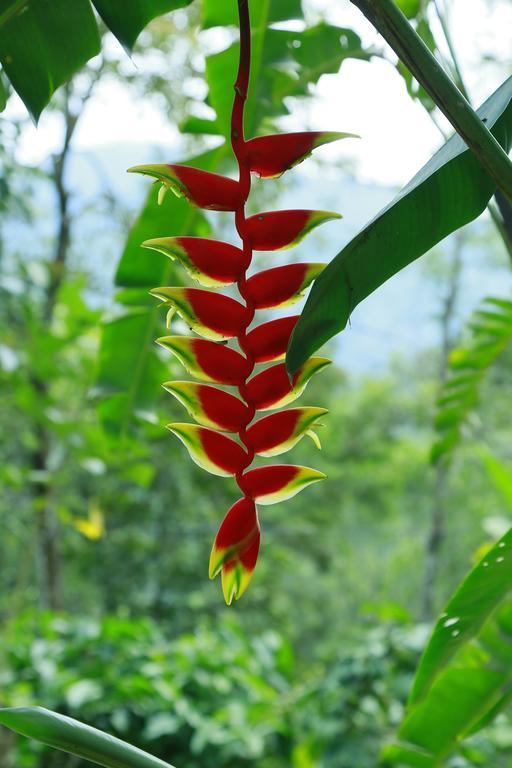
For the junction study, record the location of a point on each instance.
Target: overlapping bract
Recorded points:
(220, 319)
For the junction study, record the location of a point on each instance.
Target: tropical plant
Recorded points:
(462, 682)
(218, 318)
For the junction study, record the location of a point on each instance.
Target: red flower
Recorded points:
(220, 318)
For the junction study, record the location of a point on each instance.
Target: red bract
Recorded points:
(235, 549)
(279, 432)
(210, 406)
(270, 156)
(268, 485)
(274, 230)
(211, 450)
(220, 318)
(210, 262)
(202, 188)
(272, 388)
(269, 341)
(208, 361)
(280, 286)
(209, 314)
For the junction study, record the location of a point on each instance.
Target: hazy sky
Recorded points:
(367, 99)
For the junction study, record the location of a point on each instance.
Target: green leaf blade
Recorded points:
(448, 192)
(77, 739)
(42, 45)
(127, 20)
(478, 595)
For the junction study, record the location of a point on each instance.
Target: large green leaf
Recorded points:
(483, 589)
(130, 372)
(465, 673)
(448, 192)
(44, 42)
(77, 739)
(127, 18)
(142, 268)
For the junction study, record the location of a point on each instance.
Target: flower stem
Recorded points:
(239, 148)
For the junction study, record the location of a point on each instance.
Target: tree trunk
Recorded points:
(47, 522)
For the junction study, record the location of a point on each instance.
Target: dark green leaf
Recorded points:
(42, 45)
(78, 739)
(4, 91)
(448, 192)
(127, 18)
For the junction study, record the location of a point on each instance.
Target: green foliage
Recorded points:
(42, 45)
(215, 697)
(445, 194)
(463, 679)
(500, 475)
(491, 335)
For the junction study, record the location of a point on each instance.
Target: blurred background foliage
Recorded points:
(105, 608)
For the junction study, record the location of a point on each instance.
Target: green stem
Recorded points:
(502, 215)
(440, 13)
(410, 48)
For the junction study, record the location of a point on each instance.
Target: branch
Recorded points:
(410, 48)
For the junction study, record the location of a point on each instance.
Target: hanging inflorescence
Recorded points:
(217, 318)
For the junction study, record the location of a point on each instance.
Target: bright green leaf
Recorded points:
(500, 475)
(77, 739)
(479, 594)
(463, 679)
(410, 8)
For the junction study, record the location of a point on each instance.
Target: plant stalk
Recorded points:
(387, 18)
(239, 148)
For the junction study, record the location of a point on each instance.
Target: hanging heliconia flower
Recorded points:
(218, 318)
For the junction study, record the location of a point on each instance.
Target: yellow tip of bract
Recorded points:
(166, 245)
(217, 557)
(235, 580)
(321, 216)
(327, 136)
(156, 170)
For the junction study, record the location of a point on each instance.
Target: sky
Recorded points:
(397, 137)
